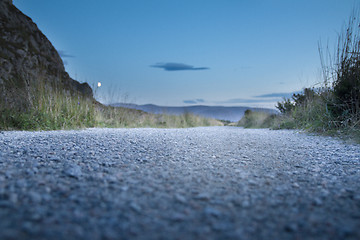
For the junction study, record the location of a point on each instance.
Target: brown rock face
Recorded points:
(28, 59)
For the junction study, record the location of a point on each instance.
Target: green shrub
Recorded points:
(255, 119)
(341, 72)
(336, 106)
(346, 85)
(285, 107)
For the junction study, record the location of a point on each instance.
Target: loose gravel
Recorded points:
(198, 183)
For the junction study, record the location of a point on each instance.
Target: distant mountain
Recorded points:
(232, 114)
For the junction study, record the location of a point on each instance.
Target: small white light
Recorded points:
(99, 84)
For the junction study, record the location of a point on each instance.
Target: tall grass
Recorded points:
(346, 75)
(49, 108)
(334, 107)
(52, 108)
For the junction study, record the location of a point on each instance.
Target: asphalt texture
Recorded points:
(196, 183)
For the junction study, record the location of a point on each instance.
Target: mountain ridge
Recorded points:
(233, 114)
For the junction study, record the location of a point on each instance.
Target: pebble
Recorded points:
(35, 197)
(317, 201)
(54, 158)
(291, 227)
(178, 217)
(180, 198)
(134, 206)
(73, 171)
(210, 211)
(203, 196)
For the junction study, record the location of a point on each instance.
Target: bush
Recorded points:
(254, 119)
(342, 73)
(347, 71)
(285, 107)
(336, 106)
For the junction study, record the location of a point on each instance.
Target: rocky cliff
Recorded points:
(27, 60)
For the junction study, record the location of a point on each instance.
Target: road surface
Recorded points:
(197, 183)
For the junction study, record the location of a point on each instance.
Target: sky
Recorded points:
(191, 52)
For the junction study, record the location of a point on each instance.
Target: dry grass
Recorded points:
(52, 109)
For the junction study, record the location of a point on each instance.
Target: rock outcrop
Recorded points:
(28, 59)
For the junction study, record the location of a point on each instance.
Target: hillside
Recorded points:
(29, 60)
(232, 114)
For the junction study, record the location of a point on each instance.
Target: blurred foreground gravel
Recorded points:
(199, 183)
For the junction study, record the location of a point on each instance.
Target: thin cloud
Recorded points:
(264, 98)
(195, 101)
(63, 54)
(277, 95)
(177, 67)
(243, 100)
(189, 101)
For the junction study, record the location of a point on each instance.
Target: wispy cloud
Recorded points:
(243, 100)
(63, 54)
(190, 101)
(277, 95)
(261, 100)
(177, 67)
(264, 99)
(195, 101)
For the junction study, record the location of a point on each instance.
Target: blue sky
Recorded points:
(184, 52)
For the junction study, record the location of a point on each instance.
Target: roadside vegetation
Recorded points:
(257, 119)
(333, 108)
(51, 109)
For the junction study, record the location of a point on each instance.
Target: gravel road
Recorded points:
(198, 183)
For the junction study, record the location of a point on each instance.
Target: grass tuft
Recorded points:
(52, 109)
